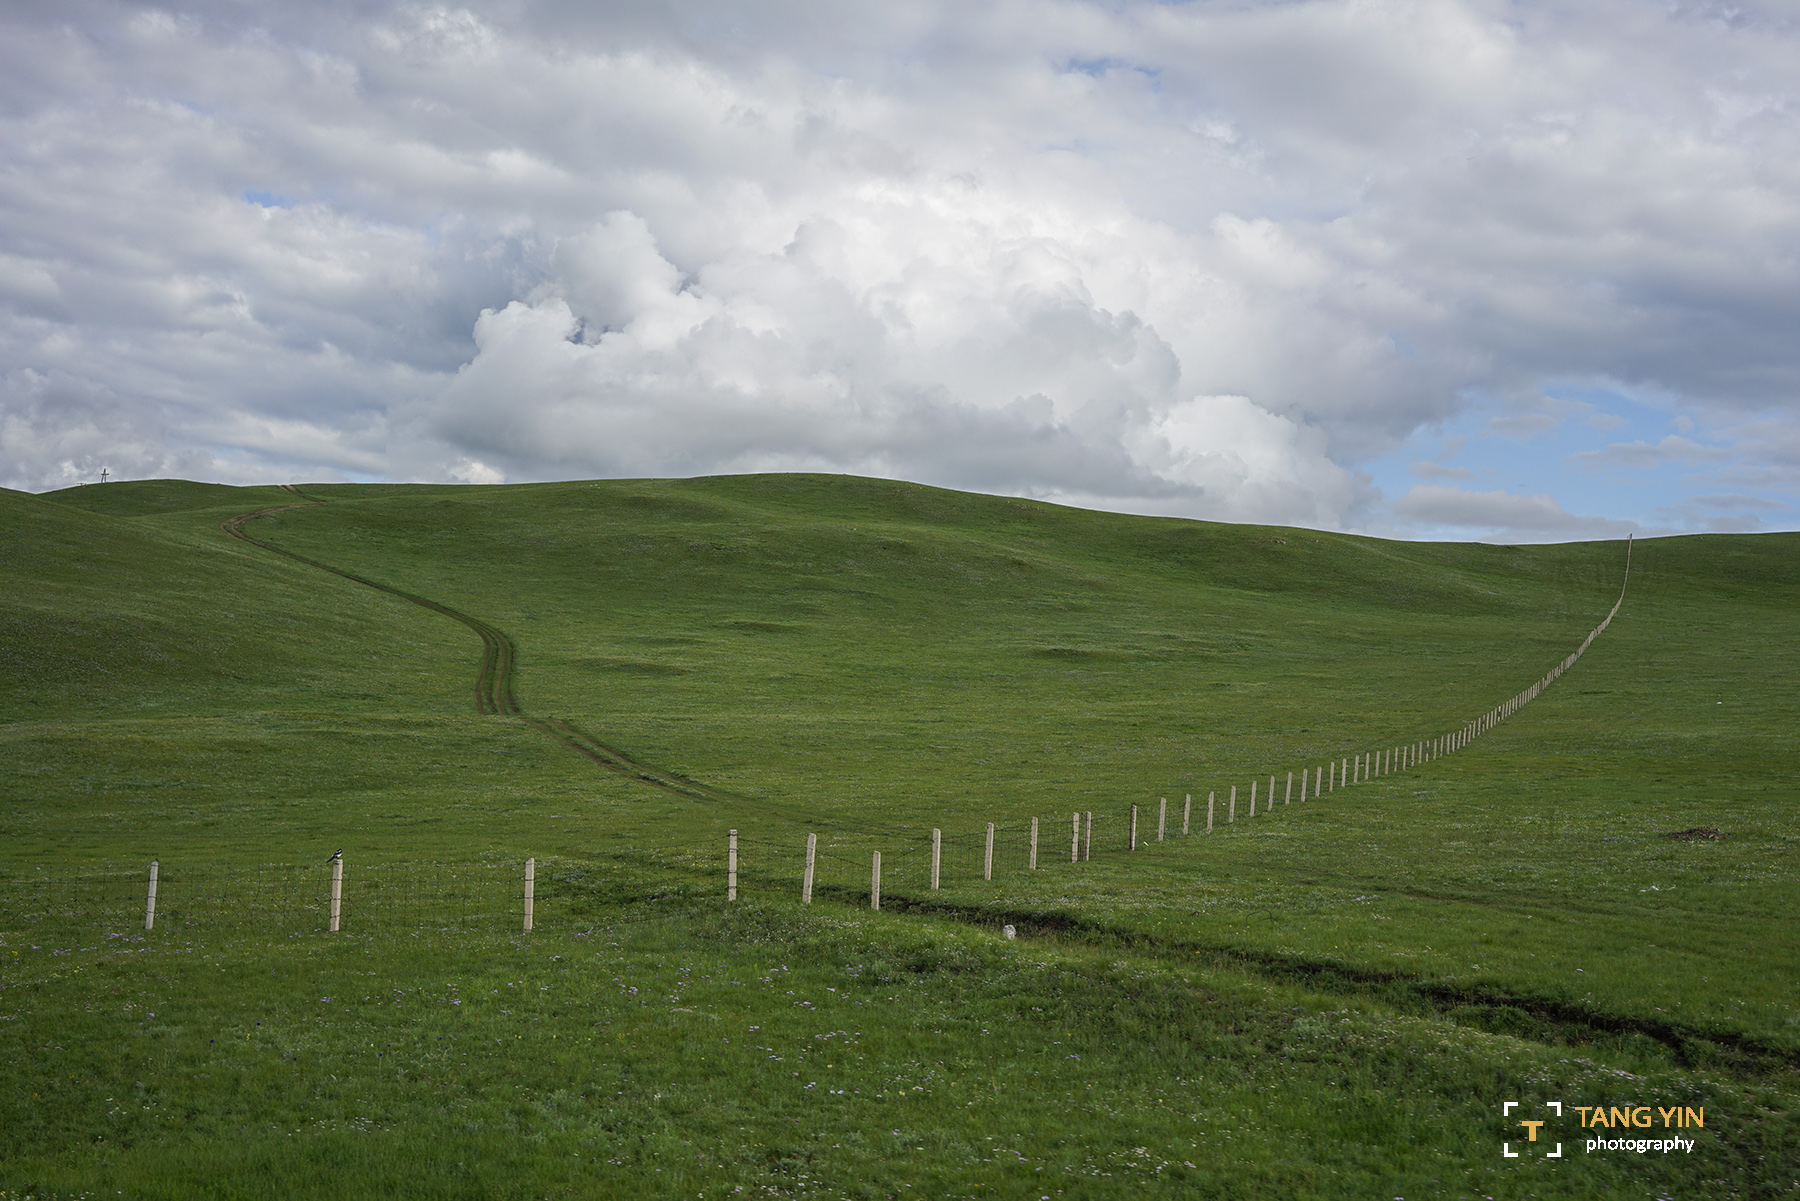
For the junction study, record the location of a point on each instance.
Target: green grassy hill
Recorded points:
(1332, 999)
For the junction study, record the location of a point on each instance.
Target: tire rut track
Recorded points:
(494, 695)
(1545, 1019)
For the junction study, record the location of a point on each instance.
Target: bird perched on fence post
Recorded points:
(337, 854)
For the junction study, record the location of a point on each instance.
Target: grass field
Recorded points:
(1332, 999)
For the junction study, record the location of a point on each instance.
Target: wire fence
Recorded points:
(275, 898)
(297, 899)
(835, 861)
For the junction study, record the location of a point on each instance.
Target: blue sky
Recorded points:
(1619, 461)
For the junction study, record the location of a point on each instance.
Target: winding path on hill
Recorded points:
(499, 657)
(494, 687)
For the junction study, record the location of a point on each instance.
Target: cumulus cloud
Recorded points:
(945, 337)
(1168, 258)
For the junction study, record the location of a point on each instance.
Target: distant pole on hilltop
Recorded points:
(103, 475)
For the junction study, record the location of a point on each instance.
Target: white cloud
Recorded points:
(1196, 259)
(474, 471)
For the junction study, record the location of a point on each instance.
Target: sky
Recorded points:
(1441, 269)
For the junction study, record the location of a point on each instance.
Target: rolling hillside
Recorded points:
(867, 660)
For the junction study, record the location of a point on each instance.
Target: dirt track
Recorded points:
(499, 656)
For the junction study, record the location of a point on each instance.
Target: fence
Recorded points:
(323, 897)
(279, 897)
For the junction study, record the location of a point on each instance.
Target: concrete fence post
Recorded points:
(1231, 807)
(1032, 863)
(1087, 838)
(812, 853)
(530, 890)
(875, 881)
(1134, 827)
(731, 866)
(1075, 840)
(987, 859)
(1209, 811)
(1162, 816)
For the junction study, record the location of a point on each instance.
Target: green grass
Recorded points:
(1330, 1000)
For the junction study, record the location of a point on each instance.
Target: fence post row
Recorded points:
(1325, 778)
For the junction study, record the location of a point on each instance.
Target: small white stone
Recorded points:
(1009, 932)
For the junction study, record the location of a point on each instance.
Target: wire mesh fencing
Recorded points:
(271, 898)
